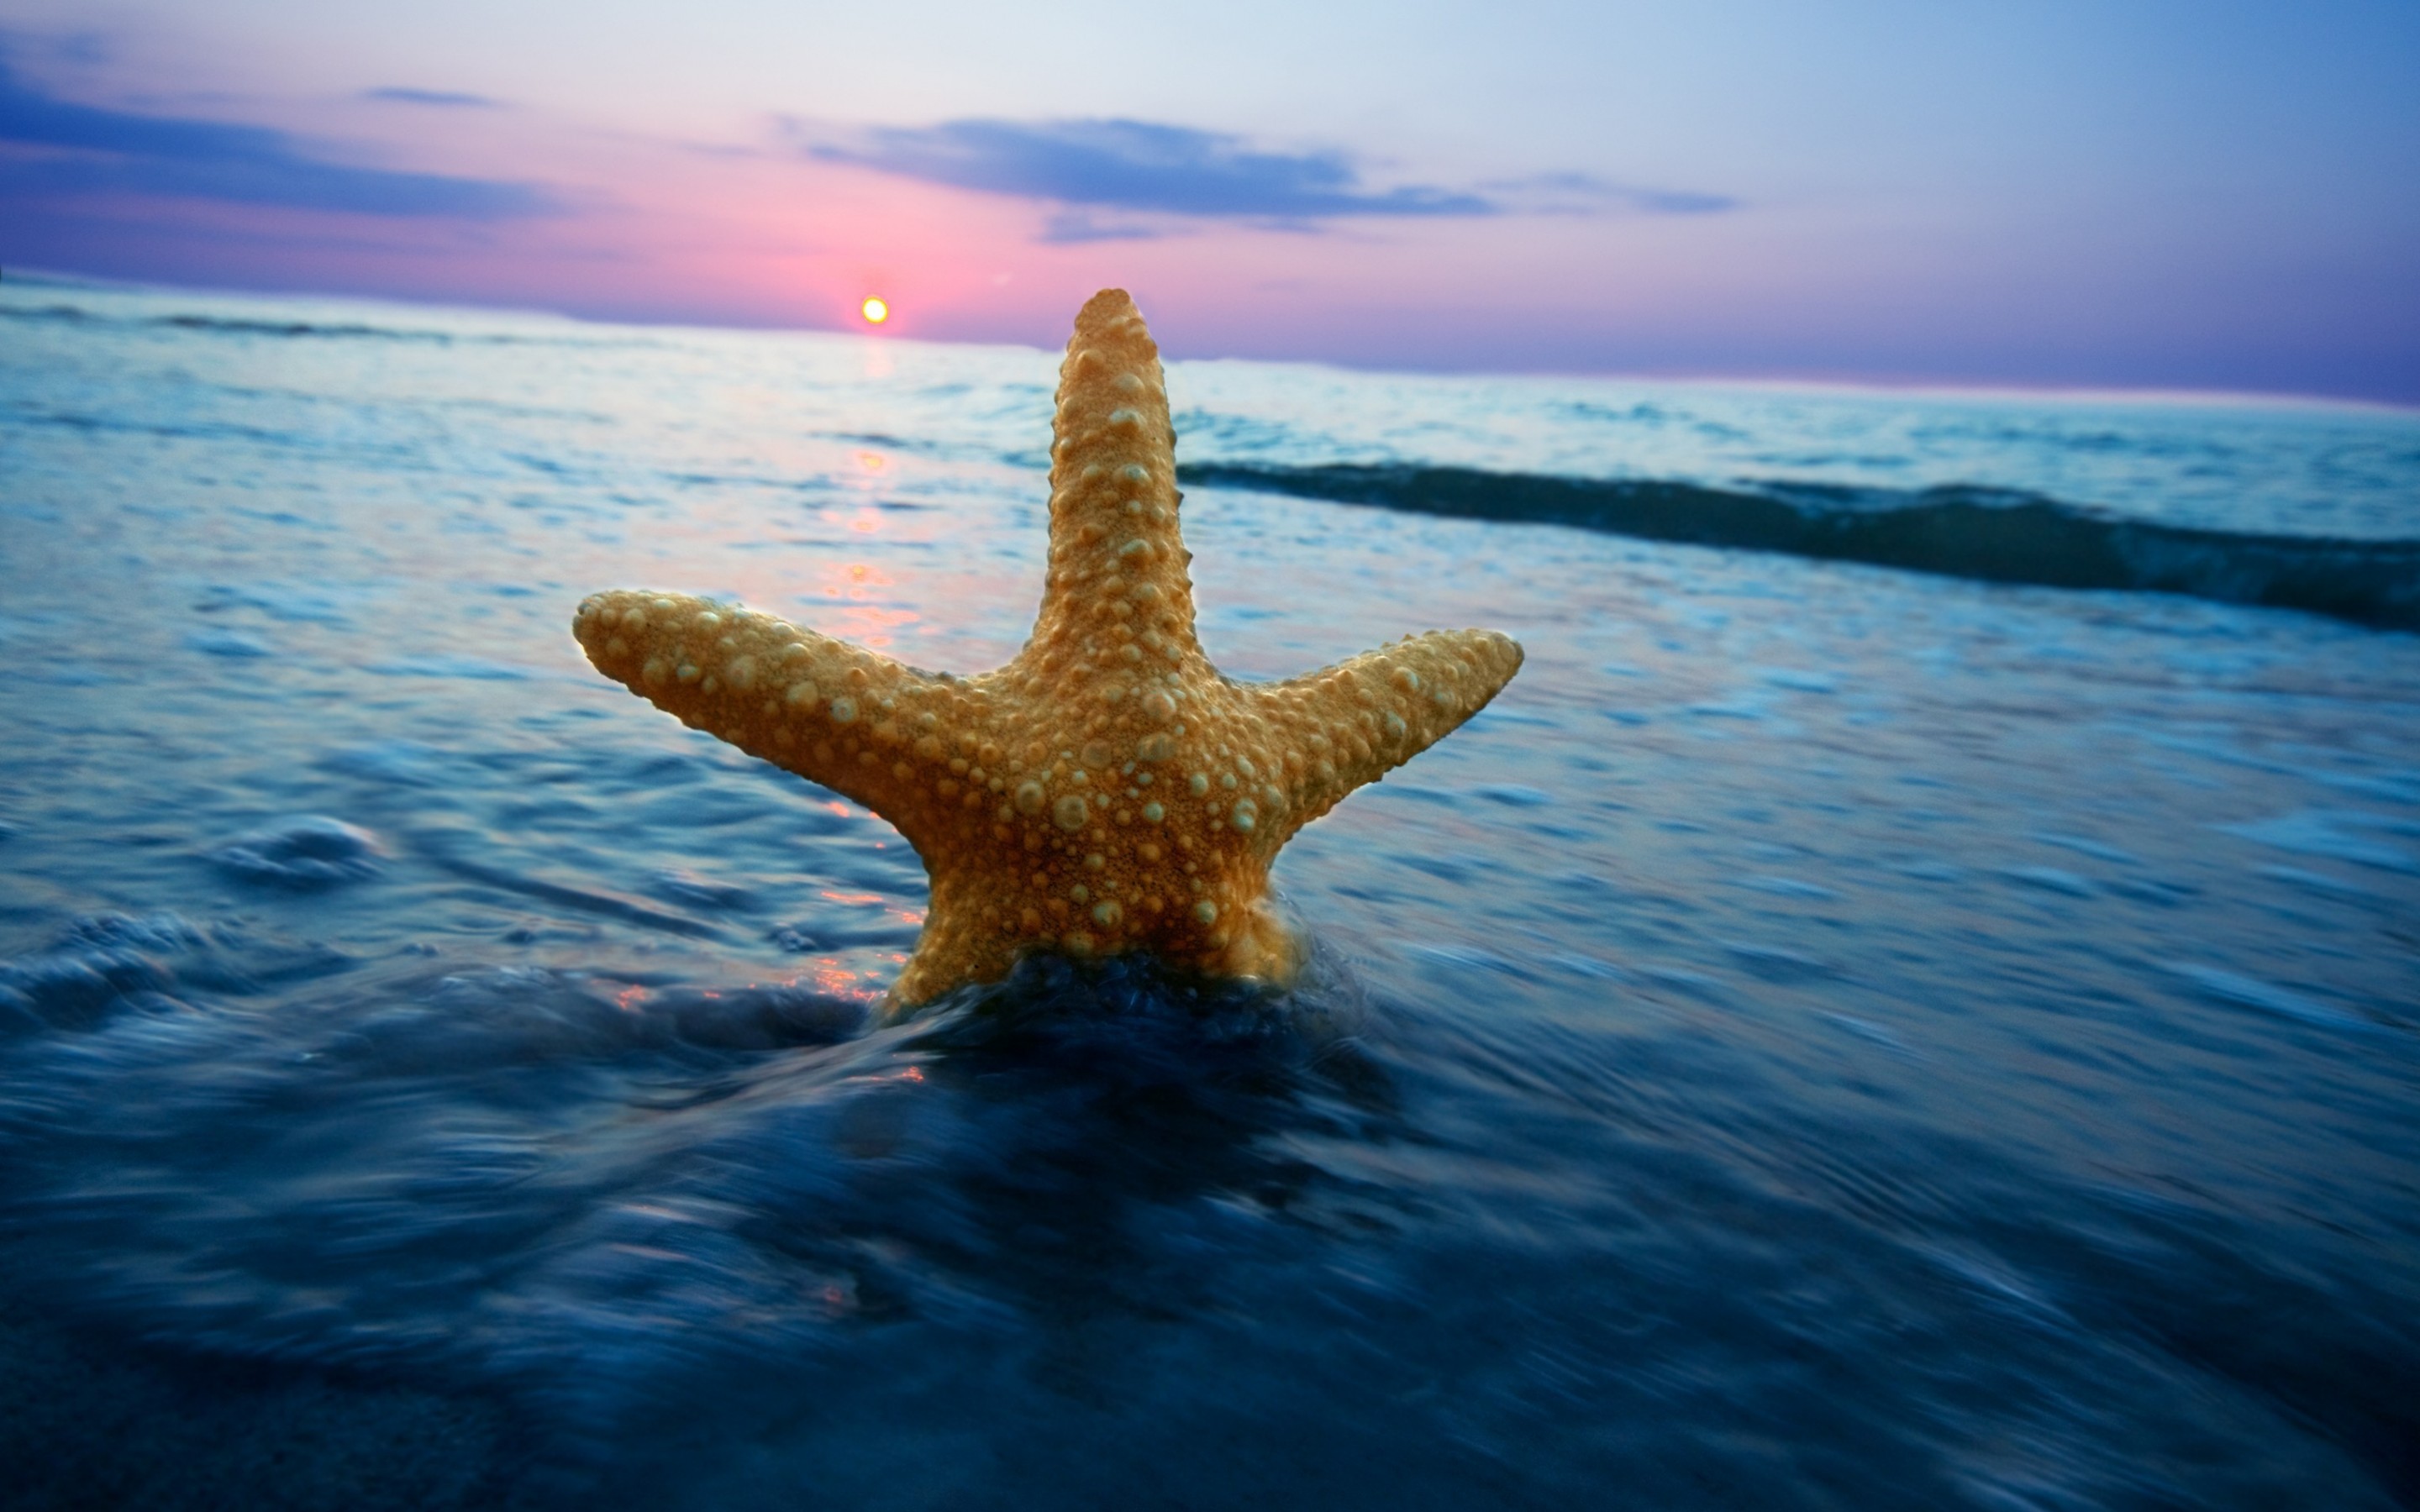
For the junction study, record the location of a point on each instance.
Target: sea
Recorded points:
(1911, 999)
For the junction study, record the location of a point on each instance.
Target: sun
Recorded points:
(876, 310)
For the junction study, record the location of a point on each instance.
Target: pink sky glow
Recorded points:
(2075, 200)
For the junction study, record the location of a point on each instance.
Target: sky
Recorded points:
(2097, 193)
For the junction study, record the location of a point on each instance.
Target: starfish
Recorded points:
(1105, 791)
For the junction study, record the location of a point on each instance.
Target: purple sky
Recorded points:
(2109, 195)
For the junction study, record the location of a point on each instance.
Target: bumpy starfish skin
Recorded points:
(1107, 790)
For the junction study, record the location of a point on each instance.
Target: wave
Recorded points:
(1958, 531)
(75, 314)
(239, 326)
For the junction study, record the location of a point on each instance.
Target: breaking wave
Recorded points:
(238, 326)
(1958, 531)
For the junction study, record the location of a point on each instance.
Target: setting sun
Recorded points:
(874, 310)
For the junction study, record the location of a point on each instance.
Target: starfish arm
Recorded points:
(900, 741)
(1353, 723)
(1117, 570)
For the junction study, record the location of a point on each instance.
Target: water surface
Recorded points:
(1827, 1036)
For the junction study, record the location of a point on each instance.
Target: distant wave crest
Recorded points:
(1960, 530)
(74, 314)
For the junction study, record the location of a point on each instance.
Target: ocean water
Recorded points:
(1876, 1015)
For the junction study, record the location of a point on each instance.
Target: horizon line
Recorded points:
(1913, 386)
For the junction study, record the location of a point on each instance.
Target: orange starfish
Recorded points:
(1107, 790)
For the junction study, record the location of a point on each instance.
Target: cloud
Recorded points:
(400, 95)
(1068, 227)
(1579, 194)
(78, 149)
(1680, 202)
(1136, 167)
